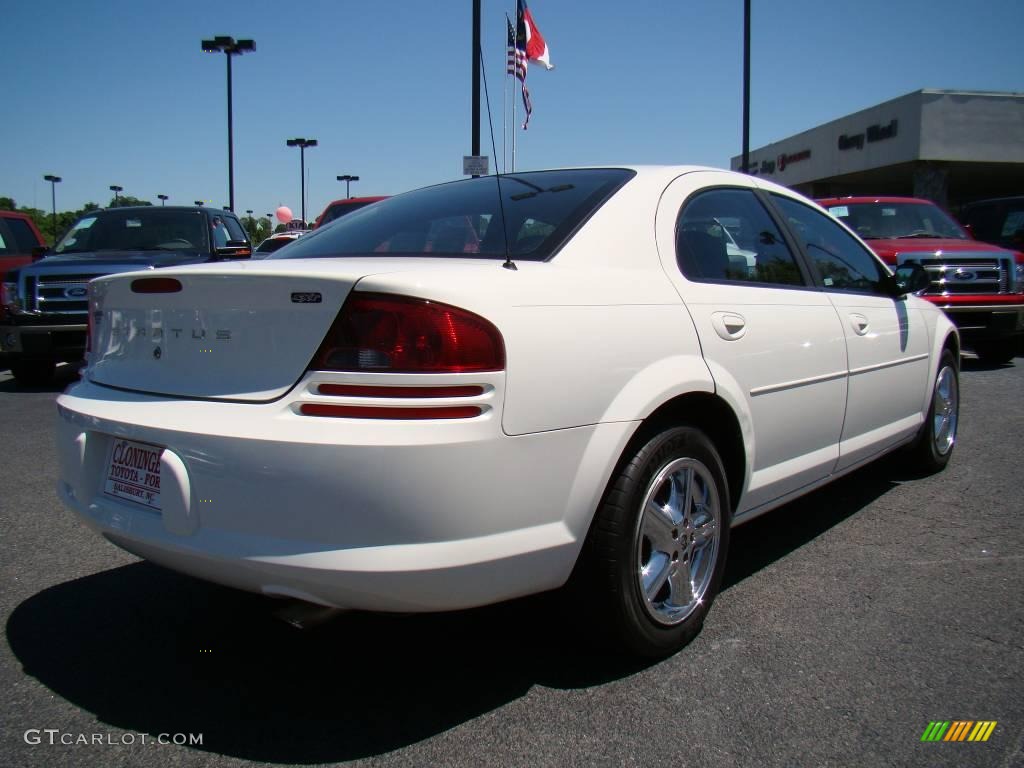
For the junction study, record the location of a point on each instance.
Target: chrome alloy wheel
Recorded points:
(945, 410)
(677, 540)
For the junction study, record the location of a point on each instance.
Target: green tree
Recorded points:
(7, 204)
(124, 201)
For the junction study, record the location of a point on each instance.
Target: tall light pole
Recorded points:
(230, 47)
(348, 179)
(163, 199)
(746, 87)
(54, 180)
(115, 189)
(302, 144)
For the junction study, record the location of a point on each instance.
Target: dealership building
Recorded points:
(951, 147)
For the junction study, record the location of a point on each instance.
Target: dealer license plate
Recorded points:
(133, 472)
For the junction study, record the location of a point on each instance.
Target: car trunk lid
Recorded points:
(234, 332)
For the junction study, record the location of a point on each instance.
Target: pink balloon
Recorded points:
(284, 214)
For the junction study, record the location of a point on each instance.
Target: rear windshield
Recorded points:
(540, 211)
(272, 244)
(131, 229)
(886, 221)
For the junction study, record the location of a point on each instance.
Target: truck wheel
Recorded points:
(996, 351)
(658, 543)
(32, 373)
(934, 445)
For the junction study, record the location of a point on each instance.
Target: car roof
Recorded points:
(216, 211)
(351, 200)
(995, 200)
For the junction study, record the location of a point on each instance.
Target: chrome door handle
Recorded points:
(729, 325)
(859, 323)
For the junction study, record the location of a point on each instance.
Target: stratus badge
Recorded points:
(306, 298)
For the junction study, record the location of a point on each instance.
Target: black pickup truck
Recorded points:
(44, 305)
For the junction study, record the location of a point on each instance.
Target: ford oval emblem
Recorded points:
(76, 293)
(964, 275)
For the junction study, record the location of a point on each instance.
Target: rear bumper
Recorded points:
(56, 343)
(344, 512)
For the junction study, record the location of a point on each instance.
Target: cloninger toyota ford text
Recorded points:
(502, 386)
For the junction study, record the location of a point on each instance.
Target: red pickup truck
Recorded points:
(19, 237)
(980, 286)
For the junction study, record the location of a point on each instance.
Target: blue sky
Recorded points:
(112, 92)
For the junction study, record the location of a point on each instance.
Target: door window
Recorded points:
(727, 235)
(843, 263)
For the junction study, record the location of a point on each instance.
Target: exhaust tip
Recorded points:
(303, 615)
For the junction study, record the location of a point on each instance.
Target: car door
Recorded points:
(773, 342)
(886, 338)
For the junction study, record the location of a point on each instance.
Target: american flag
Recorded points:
(517, 65)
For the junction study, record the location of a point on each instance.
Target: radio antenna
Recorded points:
(509, 264)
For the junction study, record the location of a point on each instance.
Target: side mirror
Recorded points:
(38, 252)
(910, 277)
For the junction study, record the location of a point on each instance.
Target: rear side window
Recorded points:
(534, 215)
(843, 263)
(727, 235)
(235, 230)
(1013, 226)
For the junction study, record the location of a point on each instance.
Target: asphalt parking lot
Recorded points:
(848, 622)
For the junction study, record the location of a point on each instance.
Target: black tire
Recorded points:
(933, 448)
(652, 571)
(33, 373)
(996, 351)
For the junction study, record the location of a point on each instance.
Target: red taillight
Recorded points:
(156, 285)
(400, 334)
(362, 390)
(372, 412)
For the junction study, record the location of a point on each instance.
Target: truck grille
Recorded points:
(955, 275)
(61, 294)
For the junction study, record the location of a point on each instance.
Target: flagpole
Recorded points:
(514, 131)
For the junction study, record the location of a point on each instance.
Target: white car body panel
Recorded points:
(403, 515)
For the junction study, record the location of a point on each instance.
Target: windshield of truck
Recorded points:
(338, 210)
(464, 219)
(132, 229)
(888, 221)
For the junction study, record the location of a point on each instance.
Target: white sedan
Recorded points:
(501, 386)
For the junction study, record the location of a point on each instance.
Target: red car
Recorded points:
(19, 237)
(980, 286)
(339, 208)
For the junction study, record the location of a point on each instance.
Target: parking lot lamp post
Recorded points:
(54, 180)
(163, 199)
(115, 189)
(230, 47)
(348, 180)
(302, 144)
